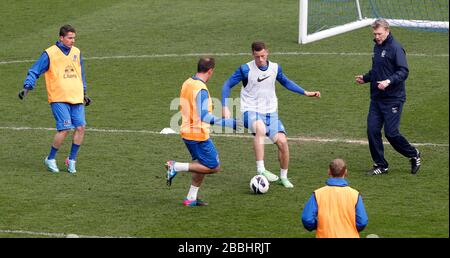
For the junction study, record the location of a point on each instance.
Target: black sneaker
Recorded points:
(415, 163)
(376, 170)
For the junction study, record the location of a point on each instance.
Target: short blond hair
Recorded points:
(380, 22)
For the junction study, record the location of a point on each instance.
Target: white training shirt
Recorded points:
(259, 93)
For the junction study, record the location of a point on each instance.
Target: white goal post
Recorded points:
(354, 13)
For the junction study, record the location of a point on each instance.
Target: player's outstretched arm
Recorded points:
(205, 116)
(209, 118)
(312, 94)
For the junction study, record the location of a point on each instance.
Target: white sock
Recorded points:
(181, 167)
(192, 195)
(260, 166)
(283, 173)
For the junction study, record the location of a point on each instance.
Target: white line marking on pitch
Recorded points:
(295, 138)
(225, 54)
(47, 234)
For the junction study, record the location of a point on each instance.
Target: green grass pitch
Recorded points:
(138, 53)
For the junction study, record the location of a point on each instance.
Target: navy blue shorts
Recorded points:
(204, 152)
(68, 116)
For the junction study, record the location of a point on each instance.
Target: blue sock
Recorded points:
(52, 153)
(74, 151)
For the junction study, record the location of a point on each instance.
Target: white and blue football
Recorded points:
(259, 184)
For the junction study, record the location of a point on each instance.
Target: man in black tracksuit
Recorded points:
(387, 94)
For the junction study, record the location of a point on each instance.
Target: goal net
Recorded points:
(319, 19)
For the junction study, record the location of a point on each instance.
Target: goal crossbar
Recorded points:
(360, 22)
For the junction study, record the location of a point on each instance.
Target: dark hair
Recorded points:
(205, 63)
(338, 167)
(66, 29)
(258, 46)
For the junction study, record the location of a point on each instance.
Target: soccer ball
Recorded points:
(259, 184)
